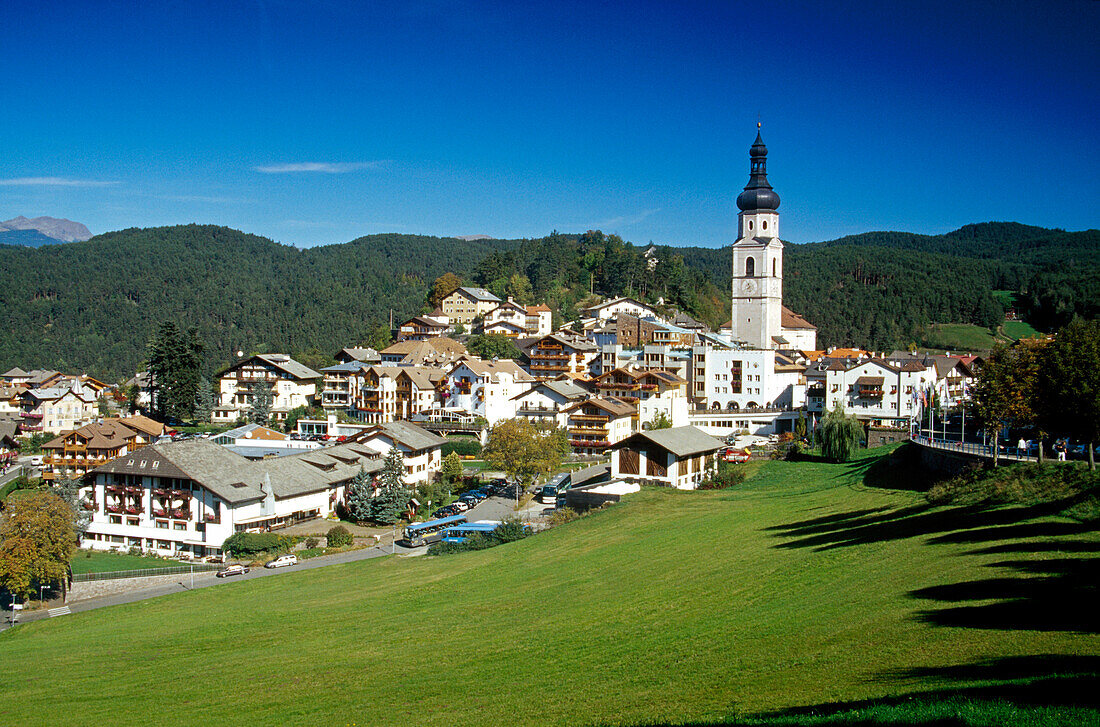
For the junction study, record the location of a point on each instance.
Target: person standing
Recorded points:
(1021, 448)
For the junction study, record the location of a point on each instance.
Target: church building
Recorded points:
(759, 319)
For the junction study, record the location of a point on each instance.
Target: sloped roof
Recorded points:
(14, 371)
(360, 354)
(481, 367)
(479, 294)
(610, 404)
(406, 433)
(790, 319)
(280, 361)
(236, 479)
(681, 441)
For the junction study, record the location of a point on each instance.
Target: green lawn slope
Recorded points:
(807, 590)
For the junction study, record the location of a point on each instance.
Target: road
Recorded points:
(494, 508)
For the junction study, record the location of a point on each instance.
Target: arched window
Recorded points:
(750, 267)
(765, 224)
(750, 224)
(774, 261)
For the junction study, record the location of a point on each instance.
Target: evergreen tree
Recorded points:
(175, 367)
(800, 426)
(358, 497)
(393, 494)
(260, 410)
(204, 400)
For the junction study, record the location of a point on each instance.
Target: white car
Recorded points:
(37, 460)
(288, 559)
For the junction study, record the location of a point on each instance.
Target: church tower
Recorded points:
(758, 258)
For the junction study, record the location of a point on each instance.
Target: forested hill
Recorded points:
(91, 306)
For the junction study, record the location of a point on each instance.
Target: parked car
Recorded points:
(288, 559)
(233, 570)
(461, 506)
(37, 460)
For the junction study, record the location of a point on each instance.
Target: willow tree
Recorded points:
(839, 435)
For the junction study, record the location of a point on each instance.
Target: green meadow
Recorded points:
(813, 593)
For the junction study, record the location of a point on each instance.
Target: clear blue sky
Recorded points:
(319, 122)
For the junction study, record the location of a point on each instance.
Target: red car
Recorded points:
(736, 455)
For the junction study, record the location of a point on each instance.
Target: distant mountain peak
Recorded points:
(471, 238)
(52, 227)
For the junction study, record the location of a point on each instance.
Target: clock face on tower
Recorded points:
(748, 286)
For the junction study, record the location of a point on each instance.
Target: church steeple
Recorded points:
(758, 194)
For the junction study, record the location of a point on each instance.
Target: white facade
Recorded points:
(758, 280)
(487, 388)
(612, 308)
(747, 379)
(292, 385)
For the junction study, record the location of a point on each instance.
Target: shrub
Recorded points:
(1073, 487)
(729, 475)
(338, 537)
(564, 515)
(312, 543)
(248, 544)
(462, 447)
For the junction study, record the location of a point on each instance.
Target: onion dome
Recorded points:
(758, 194)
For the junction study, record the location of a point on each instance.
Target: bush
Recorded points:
(729, 475)
(247, 544)
(564, 515)
(312, 543)
(338, 537)
(463, 447)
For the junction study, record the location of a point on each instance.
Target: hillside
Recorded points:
(91, 306)
(807, 587)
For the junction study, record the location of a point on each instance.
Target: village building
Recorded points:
(559, 353)
(545, 402)
(466, 304)
(485, 388)
(77, 452)
(292, 384)
(595, 424)
(419, 448)
(57, 408)
(681, 457)
(421, 328)
(438, 351)
(185, 498)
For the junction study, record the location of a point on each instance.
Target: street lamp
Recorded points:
(41, 589)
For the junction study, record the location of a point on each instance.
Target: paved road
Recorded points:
(494, 508)
(207, 579)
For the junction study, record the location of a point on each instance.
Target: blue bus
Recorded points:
(459, 533)
(419, 534)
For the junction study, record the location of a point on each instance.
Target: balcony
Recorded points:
(591, 431)
(602, 418)
(870, 393)
(549, 367)
(589, 444)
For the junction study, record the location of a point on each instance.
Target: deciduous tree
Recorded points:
(443, 286)
(525, 450)
(1069, 384)
(1006, 387)
(36, 543)
(839, 435)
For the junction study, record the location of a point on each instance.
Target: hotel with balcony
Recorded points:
(78, 452)
(596, 424)
(186, 498)
(560, 354)
(292, 385)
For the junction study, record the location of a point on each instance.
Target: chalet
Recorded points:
(546, 400)
(539, 320)
(485, 388)
(559, 353)
(9, 441)
(421, 328)
(292, 384)
(596, 424)
(186, 498)
(59, 408)
(419, 447)
(508, 319)
(466, 304)
(417, 389)
(681, 457)
(77, 452)
(610, 309)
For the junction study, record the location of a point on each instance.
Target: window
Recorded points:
(750, 267)
(765, 224)
(162, 524)
(116, 520)
(131, 521)
(179, 526)
(773, 267)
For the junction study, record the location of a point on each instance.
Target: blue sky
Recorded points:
(315, 123)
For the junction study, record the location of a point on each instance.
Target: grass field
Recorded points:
(807, 590)
(957, 337)
(1019, 329)
(95, 561)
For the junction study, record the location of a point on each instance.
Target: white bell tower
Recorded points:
(758, 258)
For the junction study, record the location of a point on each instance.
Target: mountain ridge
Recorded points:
(57, 229)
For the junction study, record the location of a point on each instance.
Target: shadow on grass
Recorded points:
(901, 469)
(1061, 594)
(970, 524)
(1039, 689)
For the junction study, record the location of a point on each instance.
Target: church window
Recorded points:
(750, 224)
(750, 267)
(765, 224)
(773, 268)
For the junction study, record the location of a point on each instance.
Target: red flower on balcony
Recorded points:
(113, 508)
(133, 510)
